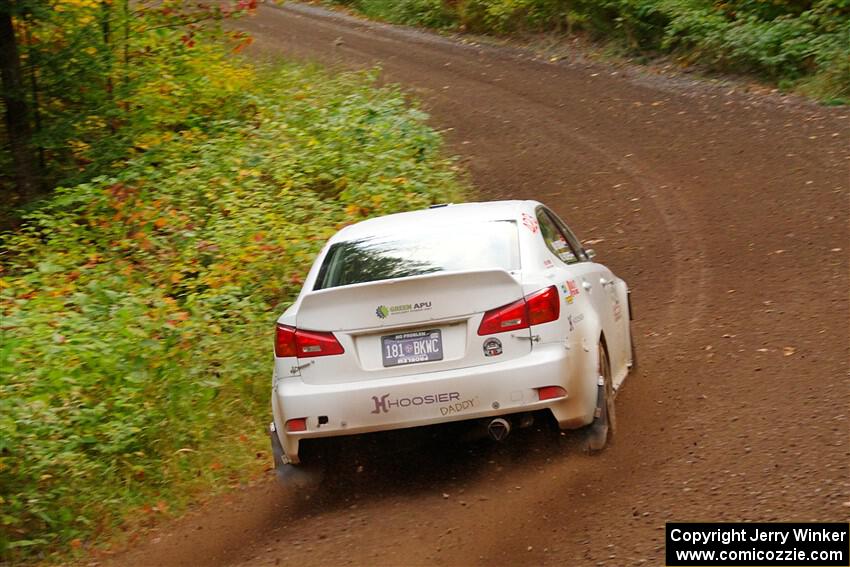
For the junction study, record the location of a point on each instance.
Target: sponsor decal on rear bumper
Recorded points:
(385, 403)
(457, 407)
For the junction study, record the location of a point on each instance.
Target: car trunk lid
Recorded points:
(411, 325)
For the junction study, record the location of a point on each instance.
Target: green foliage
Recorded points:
(86, 62)
(138, 307)
(431, 13)
(791, 48)
(505, 16)
(802, 44)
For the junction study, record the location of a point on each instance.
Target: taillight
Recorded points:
(506, 318)
(290, 341)
(296, 425)
(543, 306)
(540, 307)
(551, 393)
(284, 341)
(314, 343)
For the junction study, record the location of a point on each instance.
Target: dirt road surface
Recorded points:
(726, 212)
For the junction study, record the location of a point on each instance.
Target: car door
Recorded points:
(572, 276)
(603, 288)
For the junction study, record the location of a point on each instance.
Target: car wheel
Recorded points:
(598, 434)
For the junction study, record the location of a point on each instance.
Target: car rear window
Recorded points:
(421, 250)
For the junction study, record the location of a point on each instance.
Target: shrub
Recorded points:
(431, 13)
(137, 308)
(800, 43)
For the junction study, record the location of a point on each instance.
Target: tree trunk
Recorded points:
(17, 114)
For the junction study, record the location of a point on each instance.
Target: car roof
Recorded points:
(447, 214)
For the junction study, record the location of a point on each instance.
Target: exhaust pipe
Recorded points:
(499, 429)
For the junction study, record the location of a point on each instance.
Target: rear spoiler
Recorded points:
(410, 300)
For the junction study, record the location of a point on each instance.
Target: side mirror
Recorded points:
(590, 252)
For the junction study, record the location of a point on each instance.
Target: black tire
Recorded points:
(598, 434)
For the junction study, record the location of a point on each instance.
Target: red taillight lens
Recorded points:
(540, 307)
(284, 341)
(290, 341)
(506, 318)
(543, 306)
(295, 425)
(314, 343)
(550, 392)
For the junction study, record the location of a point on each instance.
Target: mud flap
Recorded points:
(287, 474)
(596, 434)
(277, 449)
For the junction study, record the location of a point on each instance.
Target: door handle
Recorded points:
(606, 283)
(586, 285)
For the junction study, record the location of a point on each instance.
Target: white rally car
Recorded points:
(477, 311)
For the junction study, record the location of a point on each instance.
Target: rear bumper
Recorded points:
(436, 397)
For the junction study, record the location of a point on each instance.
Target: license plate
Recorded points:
(409, 348)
